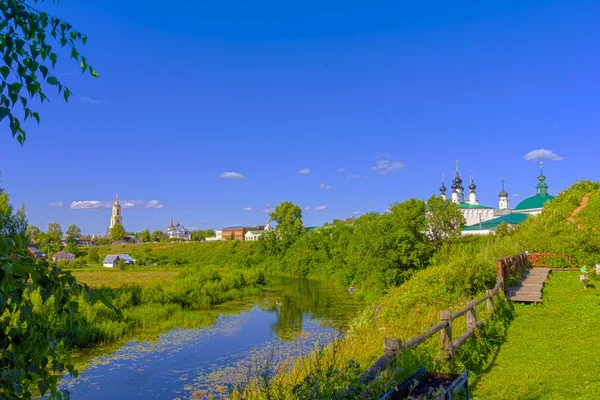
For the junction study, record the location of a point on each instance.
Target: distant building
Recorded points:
(252, 236)
(530, 206)
(112, 260)
(63, 255)
(116, 216)
(83, 241)
(218, 237)
(177, 232)
(239, 232)
(35, 252)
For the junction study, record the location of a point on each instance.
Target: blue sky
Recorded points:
(392, 94)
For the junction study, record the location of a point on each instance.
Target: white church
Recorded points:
(481, 220)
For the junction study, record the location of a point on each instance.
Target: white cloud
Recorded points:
(341, 170)
(353, 177)
(386, 167)
(304, 171)
(234, 176)
(268, 210)
(247, 208)
(355, 212)
(542, 154)
(516, 195)
(316, 209)
(102, 205)
(324, 186)
(88, 100)
(90, 205)
(56, 204)
(154, 204)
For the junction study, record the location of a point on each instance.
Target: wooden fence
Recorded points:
(505, 268)
(537, 259)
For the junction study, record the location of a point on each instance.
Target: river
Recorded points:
(287, 321)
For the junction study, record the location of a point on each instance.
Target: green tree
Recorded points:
(156, 236)
(288, 217)
(146, 237)
(71, 247)
(32, 233)
(94, 255)
(32, 354)
(29, 39)
(73, 232)
(117, 232)
(444, 220)
(54, 232)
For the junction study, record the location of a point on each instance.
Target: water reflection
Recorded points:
(287, 320)
(305, 297)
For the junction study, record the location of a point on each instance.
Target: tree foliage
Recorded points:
(73, 232)
(288, 217)
(32, 233)
(31, 354)
(146, 237)
(444, 220)
(29, 40)
(117, 232)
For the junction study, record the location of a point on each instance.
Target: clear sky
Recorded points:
(375, 103)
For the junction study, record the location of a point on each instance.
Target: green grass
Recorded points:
(552, 350)
(115, 278)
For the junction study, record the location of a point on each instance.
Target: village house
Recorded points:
(112, 260)
(35, 252)
(63, 255)
(239, 232)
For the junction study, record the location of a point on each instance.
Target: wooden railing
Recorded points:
(392, 347)
(509, 266)
(537, 259)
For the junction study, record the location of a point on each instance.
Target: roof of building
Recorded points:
(111, 258)
(510, 219)
(63, 254)
(35, 251)
(316, 228)
(534, 202)
(230, 228)
(465, 205)
(125, 257)
(256, 232)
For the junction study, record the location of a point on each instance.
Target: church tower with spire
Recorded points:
(472, 195)
(116, 217)
(457, 188)
(443, 189)
(503, 202)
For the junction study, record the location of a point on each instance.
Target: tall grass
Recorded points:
(159, 305)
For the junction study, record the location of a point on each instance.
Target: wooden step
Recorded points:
(521, 289)
(532, 284)
(525, 298)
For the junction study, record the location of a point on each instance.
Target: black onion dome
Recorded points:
(443, 188)
(503, 193)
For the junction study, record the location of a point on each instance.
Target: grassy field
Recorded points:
(115, 278)
(552, 350)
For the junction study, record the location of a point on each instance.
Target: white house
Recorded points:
(253, 235)
(112, 260)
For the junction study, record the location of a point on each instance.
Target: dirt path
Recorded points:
(582, 206)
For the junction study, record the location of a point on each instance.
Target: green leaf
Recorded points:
(44, 70)
(53, 59)
(93, 72)
(52, 80)
(84, 39)
(4, 71)
(4, 112)
(36, 116)
(67, 93)
(43, 386)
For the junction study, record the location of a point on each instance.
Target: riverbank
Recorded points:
(286, 320)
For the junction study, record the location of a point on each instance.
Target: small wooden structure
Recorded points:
(529, 288)
(458, 383)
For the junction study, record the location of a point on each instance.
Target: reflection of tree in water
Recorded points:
(334, 307)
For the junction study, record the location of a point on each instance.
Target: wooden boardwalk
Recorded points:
(529, 288)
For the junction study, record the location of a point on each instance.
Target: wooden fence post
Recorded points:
(499, 269)
(392, 345)
(471, 316)
(490, 301)
(446, 335)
